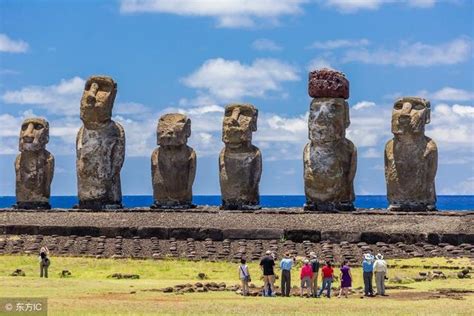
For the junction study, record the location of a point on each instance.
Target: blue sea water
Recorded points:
(445, 202)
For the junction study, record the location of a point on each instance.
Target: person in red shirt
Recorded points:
(327, 276)
(306, 275)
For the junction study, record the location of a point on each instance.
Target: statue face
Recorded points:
(240, 120)
(173, 130)
(328, 119)
(34, 134)
(98, 99)
(410, 115)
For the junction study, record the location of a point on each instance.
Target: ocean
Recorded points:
(445, 202)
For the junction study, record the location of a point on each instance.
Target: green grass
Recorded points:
(90, 292)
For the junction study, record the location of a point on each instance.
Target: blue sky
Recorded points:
(196, 56)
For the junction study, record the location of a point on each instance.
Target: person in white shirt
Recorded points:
(380, 269)
(244, 276)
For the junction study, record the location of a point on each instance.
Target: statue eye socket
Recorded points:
(38, 126)
(398, 106)
(418, 106)
(24, 127)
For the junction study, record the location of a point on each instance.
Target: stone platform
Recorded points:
(370, 226)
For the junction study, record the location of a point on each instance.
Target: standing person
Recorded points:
(244, 276)
(306, 275)
(44, 262)
(327, 274)
(315, 266)
(266, 265)
(285, 265)
(380, 269)
(346, 279)
(367, 271)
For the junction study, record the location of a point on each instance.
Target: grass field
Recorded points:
(89, 292)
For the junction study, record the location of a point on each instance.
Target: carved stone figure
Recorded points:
(240, 162)
(330, 159)
(34, 166)
(100, 147)
(411, 158)
(173, 164)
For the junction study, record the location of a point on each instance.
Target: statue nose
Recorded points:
(406, 109)
(28, 133)
(322, 115)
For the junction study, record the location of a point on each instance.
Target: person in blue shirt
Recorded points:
(368, 268)
(285, 265)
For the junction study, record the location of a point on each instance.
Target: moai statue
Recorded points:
(173, 164)
(34, 166)
(330, 159)
(411, 158)
(240, 162)
(100, 147)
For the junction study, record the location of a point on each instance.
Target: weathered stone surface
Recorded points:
(330, 159)
(240, 162)
(326, 83)
(173, 164)
(34, 166)
(100, 147)
(411, 158)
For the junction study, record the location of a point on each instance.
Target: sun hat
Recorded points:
(312, 254)
(268, 252)
(367, 256)
(379, 256)
(305, 261)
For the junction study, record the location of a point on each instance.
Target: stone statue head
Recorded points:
(409, 115)
(328, 119)
(34, 134)
(97, 100)
(173, 129)
(240, 120)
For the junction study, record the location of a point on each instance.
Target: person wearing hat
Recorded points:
(266, 265)
(285, 265)
(367, 272)
(306, 275)
(315, 267)
(44, 262)
(380, 269)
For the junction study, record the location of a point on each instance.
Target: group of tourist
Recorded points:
(309, 273)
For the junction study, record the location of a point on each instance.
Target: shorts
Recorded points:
(306, 282)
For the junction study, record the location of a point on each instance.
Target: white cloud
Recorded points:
(414, 54)
(351, 6)
(363, 105)
(229, 80)
(62, 132)
(465, 187)
(373, 152)
(131, 108)
(62, 98)
(448, 94)
(421, 3)
(452, 127)
(318, 63)
(264, 44)
(9, 72)
(229, 13)
(370, 124)
(339, 43)
(9, 45)
(348, 6)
